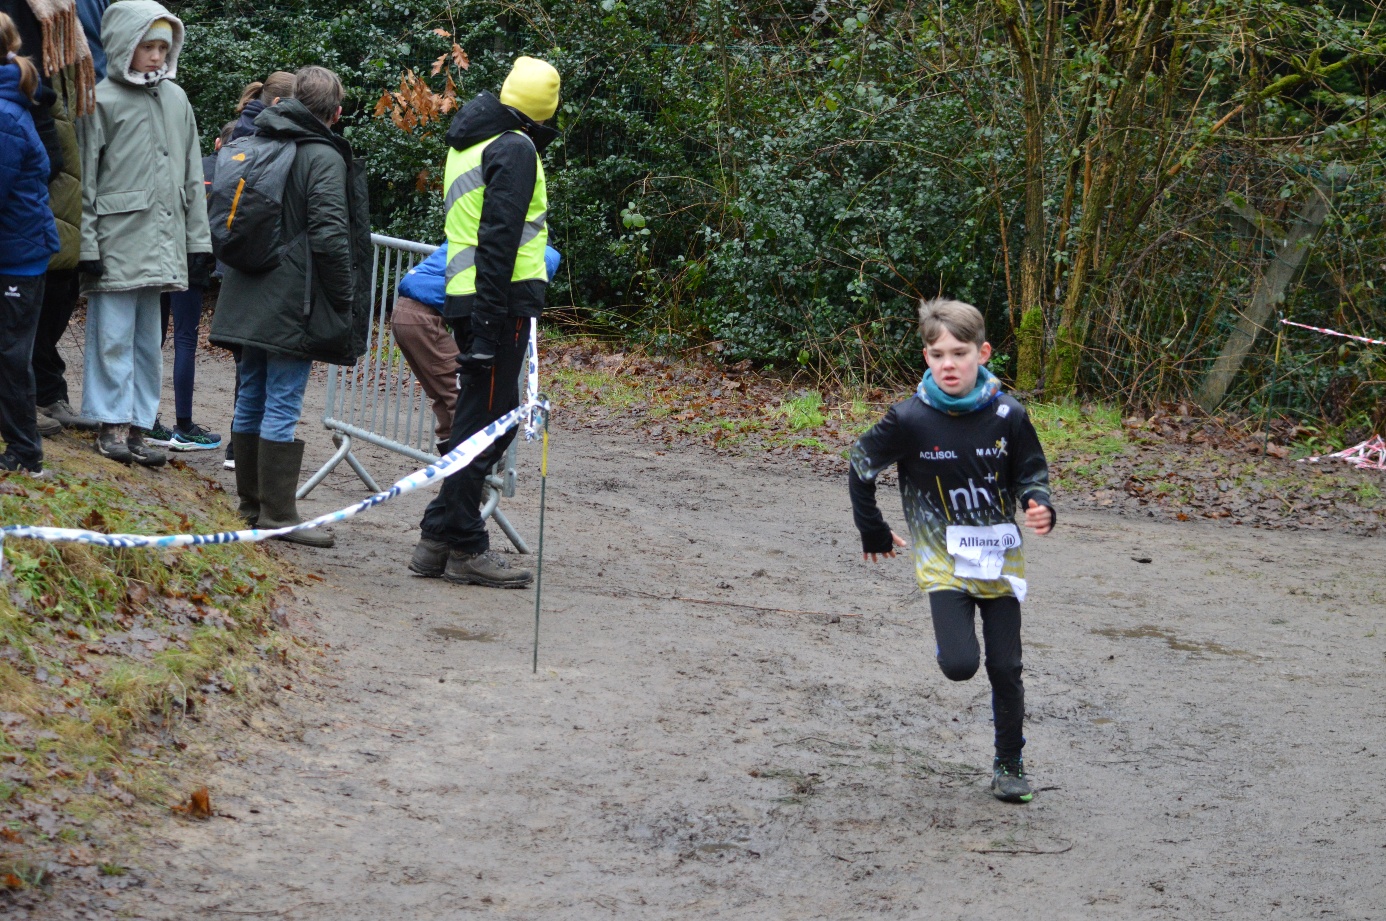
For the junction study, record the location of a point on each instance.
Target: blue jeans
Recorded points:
(185, 309)
(271, 397)
(123, 367)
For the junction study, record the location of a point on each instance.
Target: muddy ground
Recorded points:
(1205, 720)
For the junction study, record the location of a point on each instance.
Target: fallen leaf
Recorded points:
(198, 806)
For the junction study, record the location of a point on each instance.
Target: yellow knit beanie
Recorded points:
(160, 30)
(532, 87)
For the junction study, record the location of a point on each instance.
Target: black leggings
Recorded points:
(959, 656)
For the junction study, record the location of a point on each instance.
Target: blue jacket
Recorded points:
(89, 12)
(28, 233)
(427, 282)
(245, 122)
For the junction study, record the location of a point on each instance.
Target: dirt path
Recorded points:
(1205, 728)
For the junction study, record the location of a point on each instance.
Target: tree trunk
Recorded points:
(1032, 80)
(1269, 291)
(1133, 49)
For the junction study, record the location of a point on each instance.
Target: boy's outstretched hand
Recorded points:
(1039, 518)
(895, 539)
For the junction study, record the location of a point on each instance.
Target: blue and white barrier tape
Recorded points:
(532, 413)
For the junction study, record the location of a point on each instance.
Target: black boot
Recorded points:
(279, 465)
(247, 446)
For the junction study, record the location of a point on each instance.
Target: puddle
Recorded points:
(466, 636)
(1173, 641)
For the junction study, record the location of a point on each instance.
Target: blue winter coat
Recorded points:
(427, 282)
(28, 233)
(90, 13)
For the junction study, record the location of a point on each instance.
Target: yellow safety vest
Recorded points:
(465, 193)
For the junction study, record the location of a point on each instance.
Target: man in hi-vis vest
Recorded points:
(496, 210)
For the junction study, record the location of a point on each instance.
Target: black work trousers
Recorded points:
(453, 516)
(59, 299)
(959, 656)
(21, 301)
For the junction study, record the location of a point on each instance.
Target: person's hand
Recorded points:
(1039, 518)
(200, 266)
(895, 539)
(91, 267)
(475, 363)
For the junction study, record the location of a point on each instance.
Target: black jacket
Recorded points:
(981, 468)
(316, 303)
(509, 169)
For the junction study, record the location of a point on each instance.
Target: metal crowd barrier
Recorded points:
(379, 401)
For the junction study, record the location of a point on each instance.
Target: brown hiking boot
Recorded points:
(430, 558)
(110, 442)
(486, 569)
(69, 418)
(141, 451)
(47, 425)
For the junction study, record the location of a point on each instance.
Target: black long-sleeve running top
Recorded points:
(970, 472)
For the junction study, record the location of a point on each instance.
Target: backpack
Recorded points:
(246, 208)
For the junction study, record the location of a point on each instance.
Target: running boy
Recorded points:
(968, 460)
(144, 221)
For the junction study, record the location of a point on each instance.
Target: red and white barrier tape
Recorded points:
(1334, 332)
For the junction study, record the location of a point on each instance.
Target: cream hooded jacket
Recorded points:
(143, 205)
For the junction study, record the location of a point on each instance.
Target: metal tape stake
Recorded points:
(539, 567)
(1270, 397)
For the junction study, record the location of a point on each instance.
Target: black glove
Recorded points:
(200, 266)
(91, 267)
(476, 362)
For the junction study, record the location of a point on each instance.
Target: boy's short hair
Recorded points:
(962, 320)
(320, 91)
(226, 131)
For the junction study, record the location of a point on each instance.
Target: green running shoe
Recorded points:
(1008, 781)
(194, 438)
(159, 435)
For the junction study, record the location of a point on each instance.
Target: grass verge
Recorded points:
(739, 408)
(106, 655)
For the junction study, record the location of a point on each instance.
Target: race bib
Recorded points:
(979, 551)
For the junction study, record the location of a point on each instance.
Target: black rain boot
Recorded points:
(279, 464)
(247, 447)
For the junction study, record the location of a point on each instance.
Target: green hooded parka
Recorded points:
(143, 205)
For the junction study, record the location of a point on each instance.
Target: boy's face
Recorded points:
(955, 363)
(149, 56)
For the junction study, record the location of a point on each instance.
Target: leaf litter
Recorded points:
(1173, 462)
